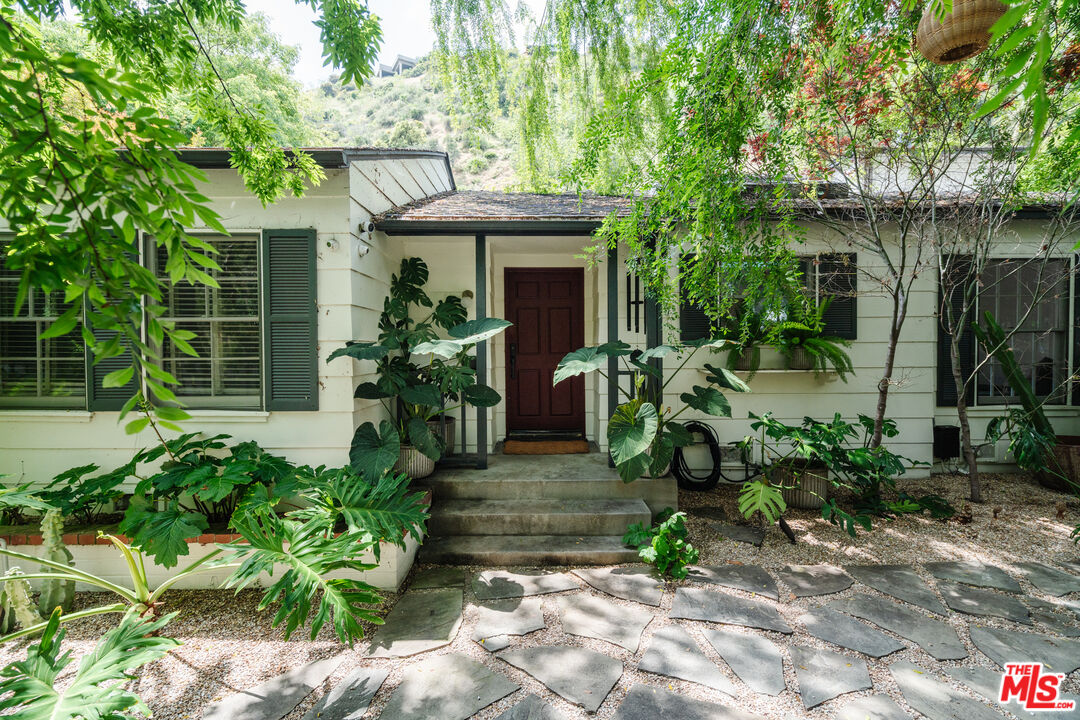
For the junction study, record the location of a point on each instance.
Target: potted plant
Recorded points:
(415, 394)
(643, 434)
(806, 347)
(744, 345)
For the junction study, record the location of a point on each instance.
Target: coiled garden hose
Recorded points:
(686, 478)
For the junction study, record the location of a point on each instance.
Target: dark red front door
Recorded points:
(547, 307)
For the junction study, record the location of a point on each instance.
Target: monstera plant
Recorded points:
(643, 433)
(413, 388)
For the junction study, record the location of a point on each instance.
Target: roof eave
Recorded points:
(488, 226)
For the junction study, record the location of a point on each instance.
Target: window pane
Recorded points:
(1032, 300)
(227, 327)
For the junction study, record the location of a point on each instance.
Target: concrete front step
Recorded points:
(528, 550)
(536, 517)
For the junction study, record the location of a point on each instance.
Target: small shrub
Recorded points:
(85, 498)
(664, 544)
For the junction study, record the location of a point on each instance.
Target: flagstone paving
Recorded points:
(973, 573)
(749, 534)
(847, 632)
(900, 581)
(974, 601)
(700, 604)
(824, 674)
(634, 584)
(673, 653)
(933, 636)
(755, 659)
(621, 642)
(750, 578)
(600, 618)
(811, 580)
(1050, 580)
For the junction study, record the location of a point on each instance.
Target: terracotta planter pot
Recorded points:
(804, 486)
(800, 359)
(448, 436)
(414, 463)
(963, 33)
(1064, 471)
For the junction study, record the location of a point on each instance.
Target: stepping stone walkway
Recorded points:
(824, 674)
(845, 631)
(972, 601)
(1002, 646)
(445, 687)
(974, 573)
(649, 703)
(532, 708)
(439, 577)
(276, 698)
(500, 618)
(933, 636)
(700, 604)
(1054, 616)
(935, 699)
(634, 584)
(749, 578)
(1072, 564)
(673, 653)
(421, 621)
(755, 659)
(581, 676)
(1050, 580)
(749, 534)
(900, 581)
(496, 584)
(987, 683)
(810, 580)
(350, 698)
(596, 617)
(874, 707)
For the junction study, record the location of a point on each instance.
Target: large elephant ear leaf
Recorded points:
(374, 452)
(481, 396)
(707, 400)
(679, 435)
(474, 331)
(656, 352)
(616, 348)
(421, 438)
(712, 343)
(726, 379)
(370, 391)
(98, 687)
(634, 468)
(360, 351)
(631, 431)
(663, 450)
(445, 349)
(579, 362)
(427, 395)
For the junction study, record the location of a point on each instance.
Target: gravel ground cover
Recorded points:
(229, 647)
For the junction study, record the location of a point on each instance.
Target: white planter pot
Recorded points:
(414, 463)
(448, 436)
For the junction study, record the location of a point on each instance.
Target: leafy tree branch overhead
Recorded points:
(88, 155)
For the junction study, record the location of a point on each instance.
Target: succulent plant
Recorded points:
(55, 593)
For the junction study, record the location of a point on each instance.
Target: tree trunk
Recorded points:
(886, 376)
(965, 424)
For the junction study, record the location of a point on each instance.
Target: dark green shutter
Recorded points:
(946, 389)
(290, 326)
(838, 279)
(693, 322)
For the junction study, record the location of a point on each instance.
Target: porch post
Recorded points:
(612, 332)
(481, 351)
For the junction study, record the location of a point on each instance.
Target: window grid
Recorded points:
(1043, 343)
(35, 372)
(227, 324)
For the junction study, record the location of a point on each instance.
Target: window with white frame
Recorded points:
(36, 372)
(1031, 300)
(226, 321)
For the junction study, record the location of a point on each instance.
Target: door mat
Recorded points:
(545, 447)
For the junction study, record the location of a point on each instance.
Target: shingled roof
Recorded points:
(475, 211)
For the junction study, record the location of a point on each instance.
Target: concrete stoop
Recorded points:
(538, 510)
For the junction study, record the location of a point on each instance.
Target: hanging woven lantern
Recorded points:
(959, 35)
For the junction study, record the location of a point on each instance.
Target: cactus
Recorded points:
(55, 593)
(15, 603)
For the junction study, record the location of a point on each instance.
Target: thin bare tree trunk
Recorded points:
(965, 425)
(886, 376)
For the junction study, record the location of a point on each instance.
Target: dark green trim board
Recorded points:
(290, 320)
(481, 351)
(613, 332)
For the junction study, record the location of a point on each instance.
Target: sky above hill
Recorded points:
(406, 26)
